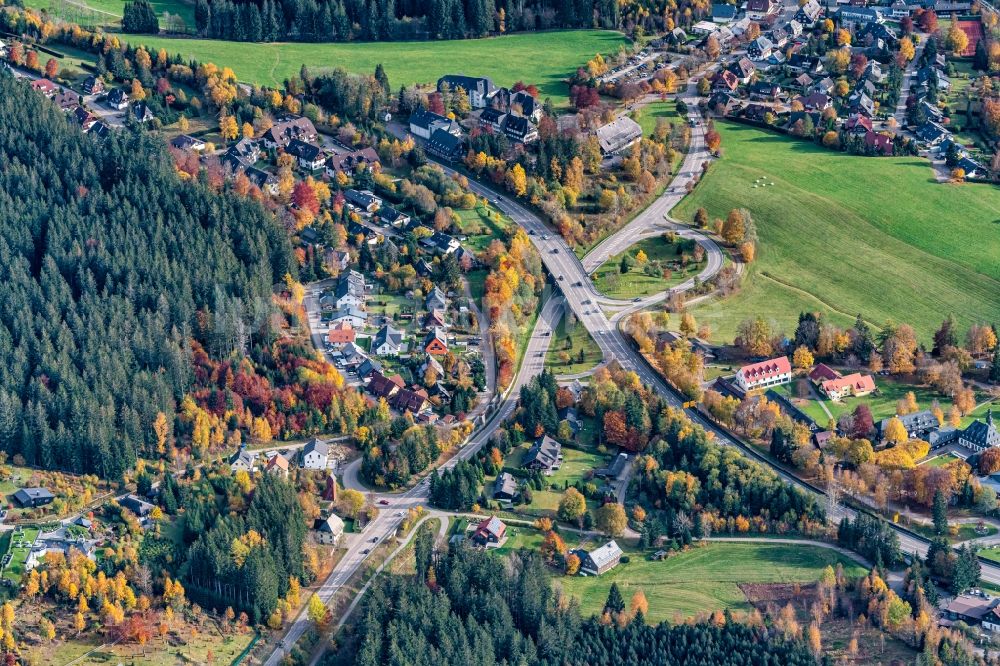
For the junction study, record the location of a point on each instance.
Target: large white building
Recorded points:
(765, 374)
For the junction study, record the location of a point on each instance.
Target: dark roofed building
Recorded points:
(478, 88)
(980, 435)
(505, 487)
(490, 531)
(30, 498)
(544, 454)
(309, 156)
(445, 145)
(288, 128)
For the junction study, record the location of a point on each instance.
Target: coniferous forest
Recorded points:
(471, 607)
(385, 20)
(112, 266)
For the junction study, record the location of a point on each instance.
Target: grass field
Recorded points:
(648, 114)
(610, 281)
(705, 579)
(77, 12)
(579, 339)
(847, 235)
(482, 224)
(941, 461)
(543, 58)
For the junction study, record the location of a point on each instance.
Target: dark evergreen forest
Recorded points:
(111, 265)
(385, 20)
(471, 607)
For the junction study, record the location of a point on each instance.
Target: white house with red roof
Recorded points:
(854, 384)
(765, 374)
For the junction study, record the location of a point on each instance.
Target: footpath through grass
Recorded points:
(846, 235)
(545, 59)
(706, 578)
(114, 8)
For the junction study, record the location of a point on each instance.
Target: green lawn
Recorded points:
(610, 281)
(843, 235)
(545, 59)
(649, 113)
(572, 338)
(482, 225)
(112, 10)
(705, 579)
(15, 569)
(519, 537)
(882, 403)
(941, 461)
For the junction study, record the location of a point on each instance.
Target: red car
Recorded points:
(384, 502)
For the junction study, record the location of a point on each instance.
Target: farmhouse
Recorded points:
(765, 374)
(545, 454)
(490, 531)
(618, 135)
(388, 341)
(316, 454)
(970, 609)
(30, 498)
(328, 530)
(600, 560)
(478, 88)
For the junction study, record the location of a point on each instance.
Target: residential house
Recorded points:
(931, 133)
(381, 386)
(445, 145)
(505, 487)
(277, 465)
(264, 180)
(874, 72)
(406, 400)
(518, 129)
(809, 13)
(350, 315)
(99, 130)
(435, 318)
(614, 470)
(523, 104)
(30, 498)
(67, 100)
(803, 81)
(856, 15)
(815, 101)
(858, 125)
(618, 135)
(854, 384)
(478, 88)
(436, 299)
(329, 530)
(352, 355)
(356, 161)
(362, 200)
(970, 609)
(186, 142)
(368, 367)
(339, 258)
(289, 128)
(140, 113)
(243, 461)
(348, 293)
(388, 341)
(436, 342)
(899, 10)
(726, 80)
(918, 424)
(139, 507)
(878, 143)
(93, 85)
(309, 156)
(824, 85)
(723, 13)
(491, 531)
(430, 363)
(117, 99)
(45, 87)
(545, 454)
(85, 119)
(316, 454)
(970, 167)
(760, 49)
(860, 103)
(761, 9)
(246, 150)
(744, 69)
(393, 217)
(340, 334)
(765, 91)
(764, 374)
(440, 243)
(601, 560)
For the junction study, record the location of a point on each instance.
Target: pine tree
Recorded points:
(615, 603)
(940, 513)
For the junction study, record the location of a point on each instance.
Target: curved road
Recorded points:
(578, 293)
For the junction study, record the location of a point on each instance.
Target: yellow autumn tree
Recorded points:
(517, 180)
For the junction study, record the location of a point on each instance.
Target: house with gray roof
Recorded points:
(600, 560)
(30, 498)
(505, 487)
(618, 135)
(478, 88)
(545, 454)
(980, 435)
(316, 454)
(388, 341)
